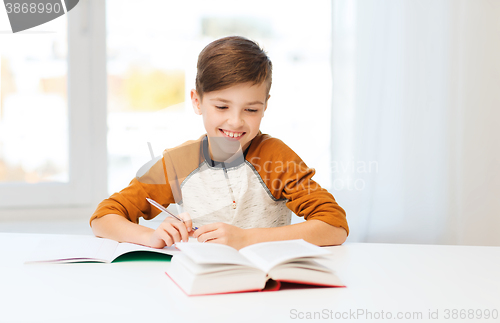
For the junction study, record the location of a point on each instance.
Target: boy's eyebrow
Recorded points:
(228, 101)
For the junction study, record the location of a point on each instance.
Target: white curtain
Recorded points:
(415, 120)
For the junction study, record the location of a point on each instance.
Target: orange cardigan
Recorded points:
(267, 182)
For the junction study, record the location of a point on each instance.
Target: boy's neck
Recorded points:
(226, 158)
(224, 151)
(220, 156)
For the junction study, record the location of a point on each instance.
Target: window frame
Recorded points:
(87, 127)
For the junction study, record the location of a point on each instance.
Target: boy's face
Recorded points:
(233, 114)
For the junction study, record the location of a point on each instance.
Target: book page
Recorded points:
(213, 253)
(198, 269)
(266, 255)
(305, 275)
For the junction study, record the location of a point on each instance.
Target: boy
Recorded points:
(236, 184)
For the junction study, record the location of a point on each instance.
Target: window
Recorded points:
(49, 101)
(33, 106)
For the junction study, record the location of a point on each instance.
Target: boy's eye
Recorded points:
(252, 110)
(221, 108)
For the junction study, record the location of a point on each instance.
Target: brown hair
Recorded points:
(229, 61)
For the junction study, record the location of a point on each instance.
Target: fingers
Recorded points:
(187, 220)
(206, 228)
(162, 235)
(208, 232)
(183, 230)
(223, 233)
(172, 232)
(209, 236)
(177, 232)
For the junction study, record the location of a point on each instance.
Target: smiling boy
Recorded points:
(236, 184)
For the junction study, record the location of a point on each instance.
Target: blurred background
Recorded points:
(394, 103)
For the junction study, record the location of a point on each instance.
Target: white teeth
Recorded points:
(233, 134)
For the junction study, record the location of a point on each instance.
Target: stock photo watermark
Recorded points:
(382, 315)
(26, 14)
(349, 175)
(276, 174)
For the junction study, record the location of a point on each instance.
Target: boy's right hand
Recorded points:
(171, 231)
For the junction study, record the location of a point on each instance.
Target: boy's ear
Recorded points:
(195, 100)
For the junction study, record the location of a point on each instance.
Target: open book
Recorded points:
(87, 249)
(208, 268)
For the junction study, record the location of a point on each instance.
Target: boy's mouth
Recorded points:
(231, 134)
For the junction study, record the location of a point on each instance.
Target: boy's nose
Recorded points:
(236, 120)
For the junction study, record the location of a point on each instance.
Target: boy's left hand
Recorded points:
(222, 233)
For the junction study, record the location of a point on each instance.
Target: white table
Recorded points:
(396, 279)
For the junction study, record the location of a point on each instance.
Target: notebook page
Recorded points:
(266, 255)
(213, 253)
(73, 249)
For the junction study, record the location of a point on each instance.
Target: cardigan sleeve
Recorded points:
(131, 202)
(288, 177)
